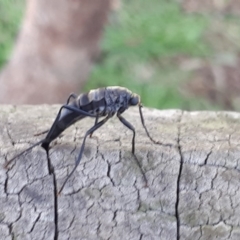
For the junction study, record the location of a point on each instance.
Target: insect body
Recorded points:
(102, 102)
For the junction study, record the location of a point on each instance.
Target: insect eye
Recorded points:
(134, 100)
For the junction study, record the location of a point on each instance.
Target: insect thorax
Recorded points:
(105, 101)
(116, 98)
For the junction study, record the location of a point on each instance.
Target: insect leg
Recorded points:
(41, 133)
(72, 95)
(96, 121)
(45, 145)
(144, 126)
(71, 108)
(129, 125)
(43, 141)
(47, 141)
(75, 109)
(21, 153)
(91, 130)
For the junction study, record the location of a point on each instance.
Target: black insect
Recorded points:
(102, 102)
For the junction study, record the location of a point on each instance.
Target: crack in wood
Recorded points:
(193, 193)
(178, 179)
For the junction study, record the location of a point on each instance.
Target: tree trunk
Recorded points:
(193, 186)
(55, 50)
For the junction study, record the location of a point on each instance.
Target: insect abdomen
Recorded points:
(66, 119)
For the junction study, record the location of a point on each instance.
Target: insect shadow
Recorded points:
(101, 102)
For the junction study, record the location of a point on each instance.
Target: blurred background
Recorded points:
(173, 53)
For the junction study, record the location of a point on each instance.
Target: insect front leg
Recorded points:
(90, 131)
(129, 125)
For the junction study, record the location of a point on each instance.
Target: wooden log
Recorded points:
(193, 187)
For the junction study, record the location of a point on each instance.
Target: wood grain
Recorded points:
(193, 190)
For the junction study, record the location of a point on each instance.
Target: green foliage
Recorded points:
(11, 12)
(153, 29)
(140, 49)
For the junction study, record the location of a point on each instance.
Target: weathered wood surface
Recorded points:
(193, 186)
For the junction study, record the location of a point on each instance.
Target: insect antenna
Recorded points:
(144, 126)
(21, 153)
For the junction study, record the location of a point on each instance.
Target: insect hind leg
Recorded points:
(46, 142)
(90, 131)
(73, 109)
(49, 138)
(72, 95)
(21, 153)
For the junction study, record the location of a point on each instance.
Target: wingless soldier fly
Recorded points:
(102, 102)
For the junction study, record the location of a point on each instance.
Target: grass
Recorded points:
(11, 12)
(140, 49)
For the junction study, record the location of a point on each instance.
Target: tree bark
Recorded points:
(193, 186)
(54, 51)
